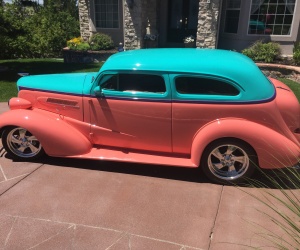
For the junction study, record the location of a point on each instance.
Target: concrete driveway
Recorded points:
(82, 204)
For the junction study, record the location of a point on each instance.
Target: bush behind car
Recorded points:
(28, 33)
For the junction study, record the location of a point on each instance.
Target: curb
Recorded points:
(279, 66)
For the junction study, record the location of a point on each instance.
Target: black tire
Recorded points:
(228, 161)
(20, 144)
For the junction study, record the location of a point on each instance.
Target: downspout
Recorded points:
(219, 21)
(123, 10)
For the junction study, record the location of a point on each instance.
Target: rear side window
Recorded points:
(134, 82)
(204, 86)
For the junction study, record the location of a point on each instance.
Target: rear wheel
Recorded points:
(228, 161)
(20, 144)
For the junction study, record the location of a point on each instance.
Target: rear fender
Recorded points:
(272, 148)
(56, 136)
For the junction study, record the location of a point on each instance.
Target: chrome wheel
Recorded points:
(20, 143)
(228, 162)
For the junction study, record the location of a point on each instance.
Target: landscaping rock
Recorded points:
(280, 71)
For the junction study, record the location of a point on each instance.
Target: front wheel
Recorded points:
(20, 144)
(228, 161)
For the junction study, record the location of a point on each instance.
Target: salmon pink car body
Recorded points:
(204, 108)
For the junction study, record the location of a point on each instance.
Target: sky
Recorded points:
(10, 1)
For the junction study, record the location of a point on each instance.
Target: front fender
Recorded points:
(56, 136)
(273, 149)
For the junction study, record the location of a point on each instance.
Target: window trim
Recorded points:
(120, 5)
(271, 35)
(238, 26)
(204, 97)
(136, 95)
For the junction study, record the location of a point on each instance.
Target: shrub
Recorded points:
(263, 52)
(77, 43)
(12, 31)
(25, 33)
(296, 53)
(101, 41)
(83, 47)
(50, 31)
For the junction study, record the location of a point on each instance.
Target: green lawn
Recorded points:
(9, 77)
(293, 85)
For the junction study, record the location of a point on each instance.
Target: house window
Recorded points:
(271, 17)
(107, 13)
(204, 86)
(232, 16)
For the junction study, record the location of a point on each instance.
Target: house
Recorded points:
(224, 24)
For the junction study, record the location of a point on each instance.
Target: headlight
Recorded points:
(19, 103)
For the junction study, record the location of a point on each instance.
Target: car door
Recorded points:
(132, 110)
(198, 100)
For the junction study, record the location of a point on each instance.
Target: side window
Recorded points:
(134, 82)
(110, 82)
(204, 86)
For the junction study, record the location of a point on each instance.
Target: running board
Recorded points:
(136, 157)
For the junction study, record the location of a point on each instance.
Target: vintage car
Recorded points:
(204, 108)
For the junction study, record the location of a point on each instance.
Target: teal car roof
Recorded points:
(212, 62)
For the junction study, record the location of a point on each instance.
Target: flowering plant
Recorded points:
(77, 43)
(97, 41)
(74, 42)
(189, 39)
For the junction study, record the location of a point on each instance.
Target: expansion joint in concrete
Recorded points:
(215, 220)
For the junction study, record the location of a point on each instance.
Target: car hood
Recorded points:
(58, 83)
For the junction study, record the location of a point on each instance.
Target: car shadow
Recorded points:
(273, 179)
(157, 171)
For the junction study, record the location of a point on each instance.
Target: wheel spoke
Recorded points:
(31, 138)
(230, 149)
(217, 154)
(22, 133)
(16, 140)
(231, 169)
(21, 149)
(240, 159)
(33, 148)
(218, 165)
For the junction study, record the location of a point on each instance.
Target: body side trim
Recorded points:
(158, 99)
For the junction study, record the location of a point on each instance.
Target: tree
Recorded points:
(35, 32)
(69, 6)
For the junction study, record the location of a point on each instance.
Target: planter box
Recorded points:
(73, 56)
(150, 44)
(190, 45)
